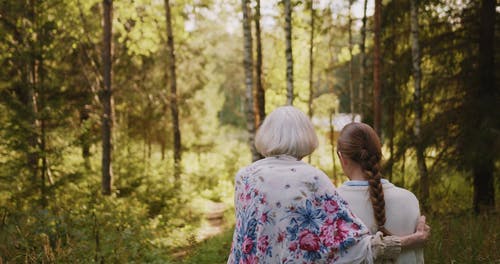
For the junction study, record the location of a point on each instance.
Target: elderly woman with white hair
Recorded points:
(289, 212)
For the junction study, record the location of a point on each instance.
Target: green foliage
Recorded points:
(83, 226)
(463, 238)
(214, 250)
(51, 209)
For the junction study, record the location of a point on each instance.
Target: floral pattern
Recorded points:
(292, 219)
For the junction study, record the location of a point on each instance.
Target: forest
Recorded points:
(123, 123)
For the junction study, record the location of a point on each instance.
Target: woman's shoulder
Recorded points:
(247, 170)
(398, 193)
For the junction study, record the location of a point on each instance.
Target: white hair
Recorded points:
(286, 131)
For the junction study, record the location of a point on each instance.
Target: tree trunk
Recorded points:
(311, 62)
(173, 95)
(311, 67)
(332, 144)
(248, 65)
(85, 135)
(418, 108)
(403, 163)
(288, 52)
(32, 105)
(37, 92)
(392, 132)
(43, 124)
(260, 101)
(107, 117)
(391, 99)
(362, 59)
(162, 149)
(351, 85)
(377, 111)
(487, 94)
(33, 155)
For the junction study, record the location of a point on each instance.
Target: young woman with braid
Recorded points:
(383, 207)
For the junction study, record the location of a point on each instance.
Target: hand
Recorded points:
(423, 229)
(420, 236)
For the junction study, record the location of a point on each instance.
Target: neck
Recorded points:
(356, 175)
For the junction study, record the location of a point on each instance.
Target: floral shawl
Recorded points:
(289, 212)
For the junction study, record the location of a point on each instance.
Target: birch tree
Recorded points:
(248, 65)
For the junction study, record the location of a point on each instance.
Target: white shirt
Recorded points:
(401, 210)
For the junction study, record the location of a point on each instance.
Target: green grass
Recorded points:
(212, 251)
(456, 239)
(464, 238)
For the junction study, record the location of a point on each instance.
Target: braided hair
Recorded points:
(360, 143)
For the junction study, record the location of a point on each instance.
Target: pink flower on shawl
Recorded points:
(281, 237)
(331, 206)
(263, 243)
(356, 227)
(249, 260)
(263, 199)
(293, 246)
(327, 233)
(341, 232)
(308, 241)
(263, 217)
(335, 232)
(247, 245)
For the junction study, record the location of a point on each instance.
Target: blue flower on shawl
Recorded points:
(293, 229)
(310, 217)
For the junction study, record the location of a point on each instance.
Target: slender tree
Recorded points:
(288, 52)
(107, 101)
(40, 68)
(377, 110)
(311, 62)
(362, 58)
(418, 107)
(332, 144)
(33, 104)
(174, 110)
(260, 98)
(85, 135)
(38, 99)
(351, 85)
(248, 65)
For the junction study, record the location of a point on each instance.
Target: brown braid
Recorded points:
(372, 171)
(360, 143)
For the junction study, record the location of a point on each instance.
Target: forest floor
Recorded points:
(463, 238)
(210, 239)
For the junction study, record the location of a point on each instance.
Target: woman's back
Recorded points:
(289, 212)
(401, 207)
